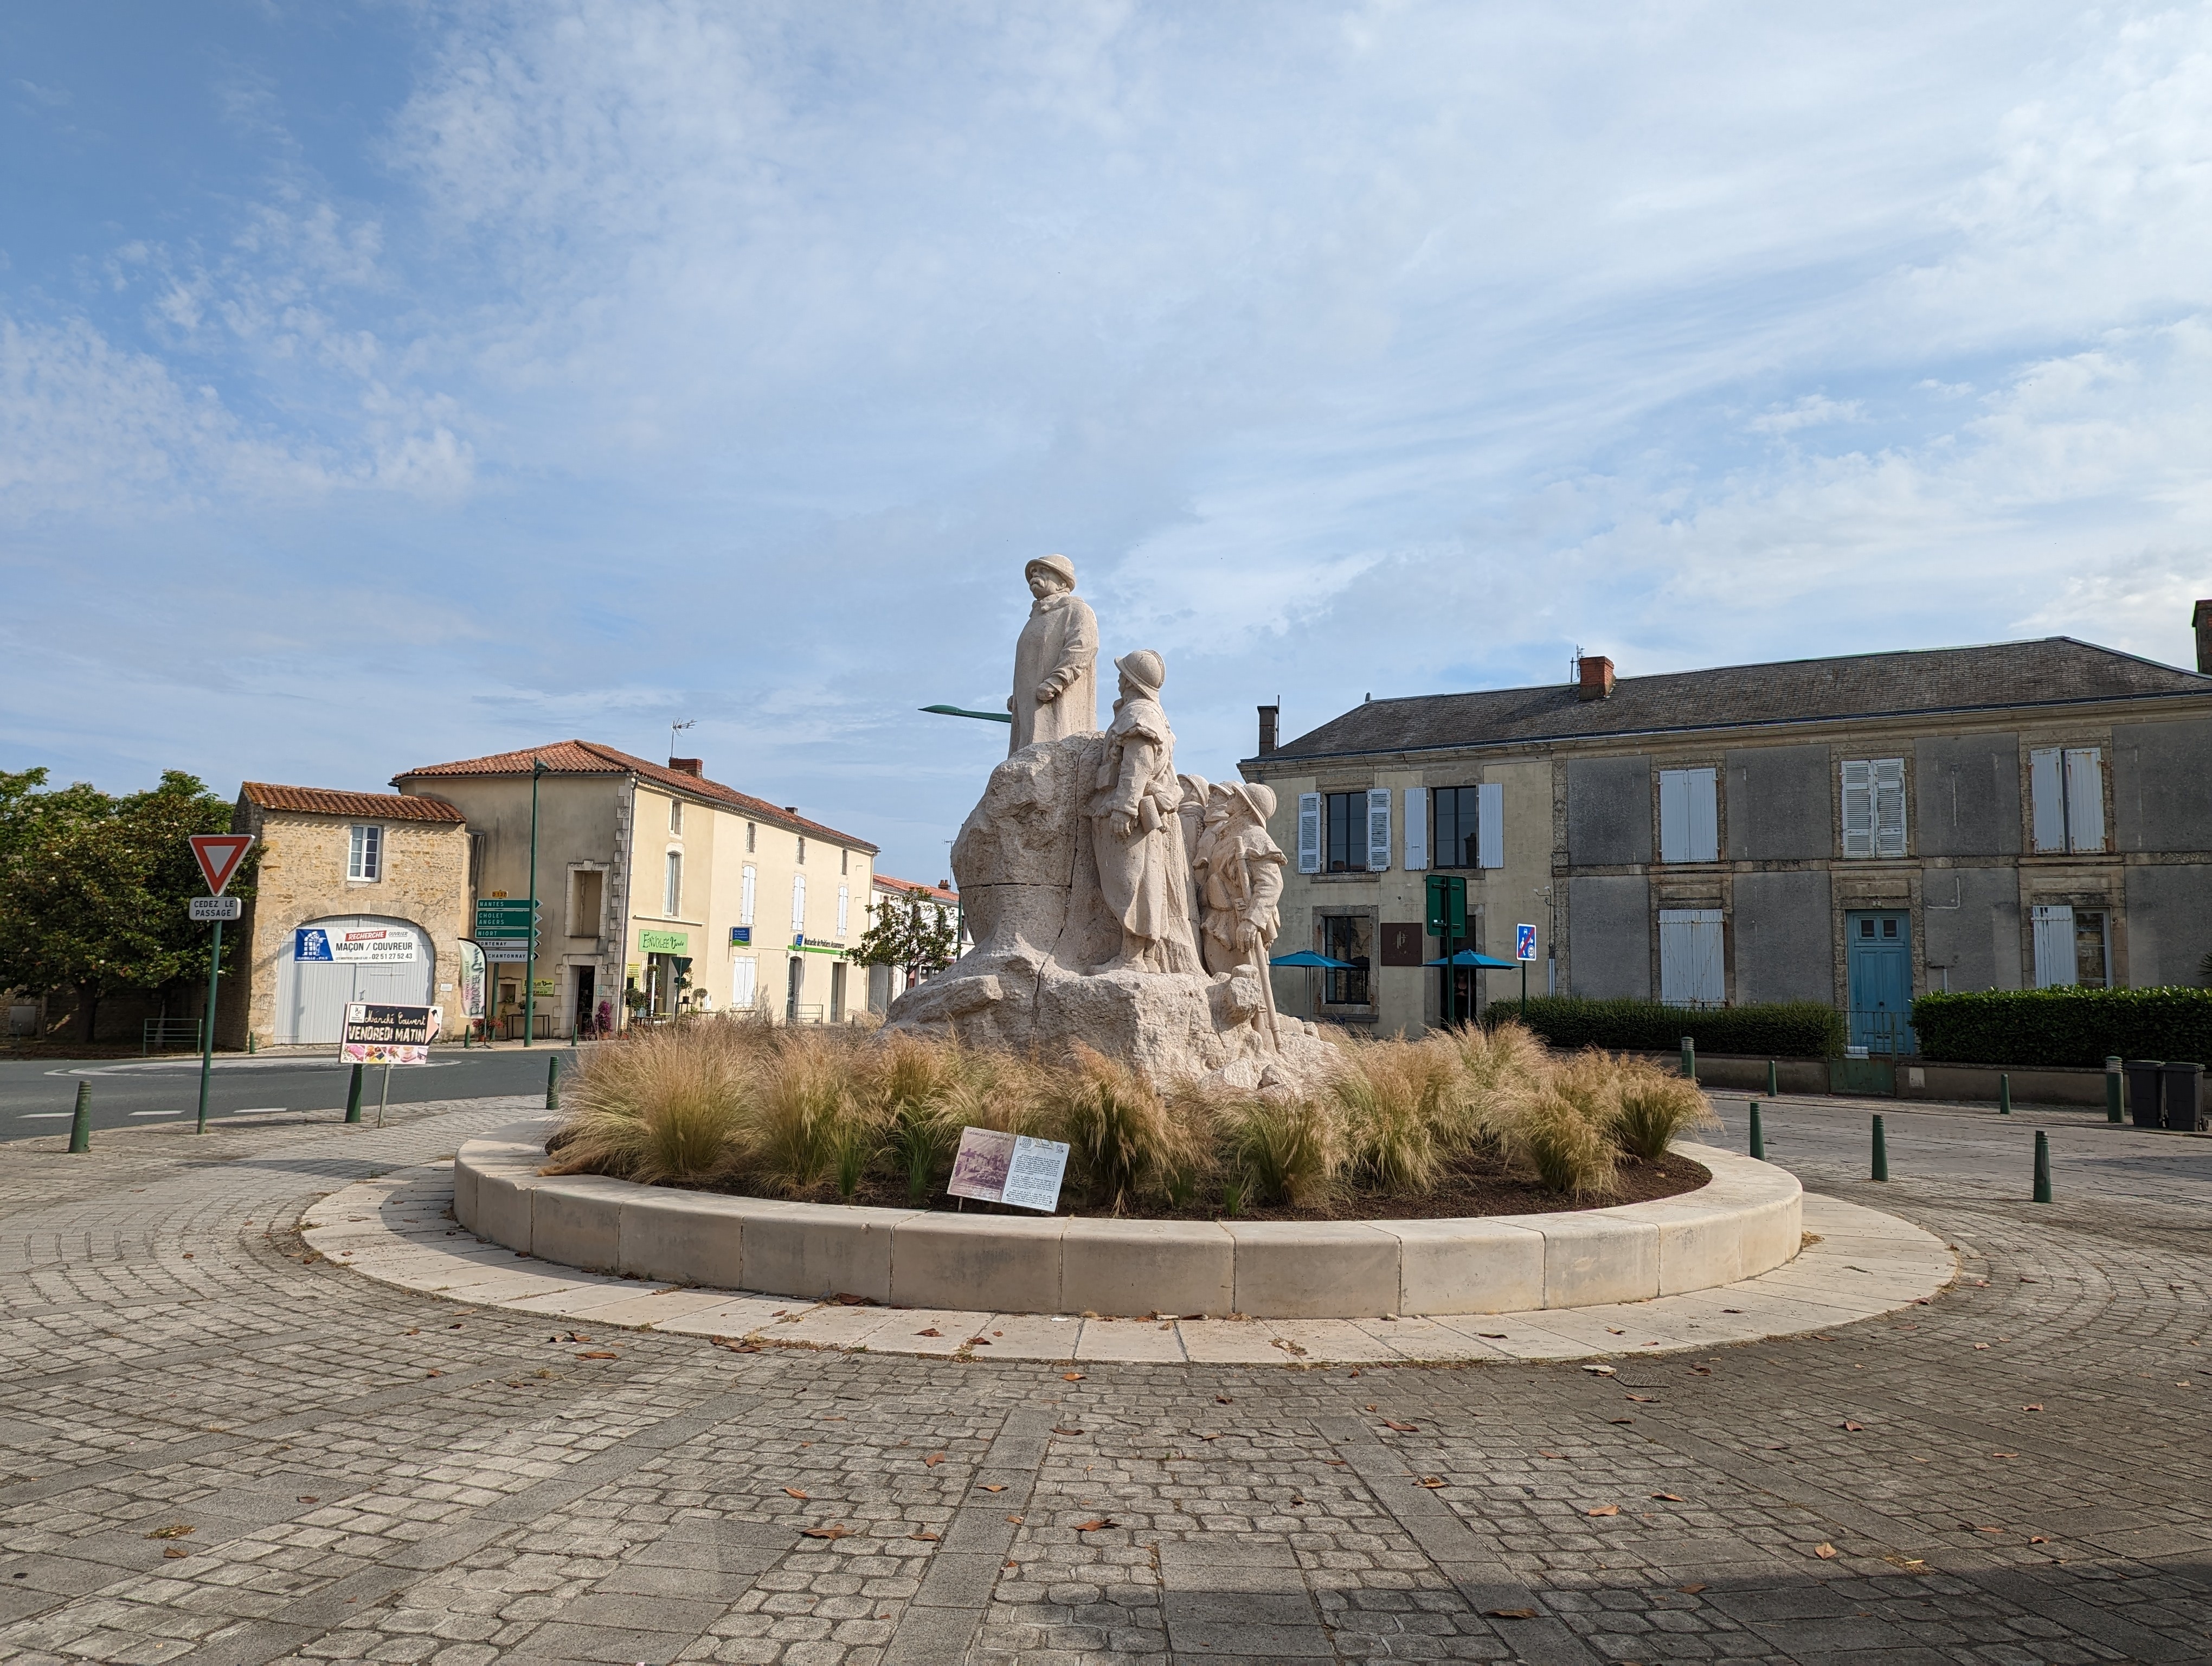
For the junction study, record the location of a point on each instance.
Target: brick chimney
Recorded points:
(2202, 618)
(1271, 719)
(688, 766)
(1596, 678)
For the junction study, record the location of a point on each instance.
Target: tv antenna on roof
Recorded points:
(674, 729)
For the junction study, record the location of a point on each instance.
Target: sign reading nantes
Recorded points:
(506, 927)
(379, 1033)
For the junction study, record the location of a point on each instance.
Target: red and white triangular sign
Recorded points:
(219, 855)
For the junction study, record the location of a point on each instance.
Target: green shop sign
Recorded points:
(662, 942)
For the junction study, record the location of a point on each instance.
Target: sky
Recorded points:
(387, 383)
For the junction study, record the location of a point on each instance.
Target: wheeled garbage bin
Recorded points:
(2182, 1089)
(2143, 1098)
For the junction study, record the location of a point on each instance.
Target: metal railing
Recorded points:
(170, 1036)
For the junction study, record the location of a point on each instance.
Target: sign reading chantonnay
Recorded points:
(1008, 1168)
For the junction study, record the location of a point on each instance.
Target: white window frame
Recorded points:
(675, 815)
(1308, 832)
(798, 905)
(1693, 967)
(744, 982)
(1873, 820)
(365, 852)
(671, 884)
(2067, 786)
(844, 910)
(1689, 816)
(748, 883)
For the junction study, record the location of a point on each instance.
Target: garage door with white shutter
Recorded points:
(348, 957)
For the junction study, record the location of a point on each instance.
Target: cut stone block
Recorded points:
(1009, 1265)
(1124, 1267)
(1321, 1269)
(1468, 1267)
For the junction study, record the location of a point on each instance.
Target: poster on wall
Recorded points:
(381, 945)
(379, 1032)
(1008, 1168)
(472, 978)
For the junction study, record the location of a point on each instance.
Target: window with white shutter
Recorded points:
(1874, 806)
(748, 882)
(1690, 969)
(2068, 789)
(1416, 828)
(844, 911)
(745, 977)
(1308, 832)
(798, 905)
(1689, 816)
(1378, 829)
(1490, 824)
(673, 891)
(2054, 945)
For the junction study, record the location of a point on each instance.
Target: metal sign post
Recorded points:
(218, 856)
(530, 972)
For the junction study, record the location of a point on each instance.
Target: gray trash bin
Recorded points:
(2182, 1089)
(2142, 1093)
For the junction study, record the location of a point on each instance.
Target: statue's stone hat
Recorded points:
(1143, 667)
(1060, 564)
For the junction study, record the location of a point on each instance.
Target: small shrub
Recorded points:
(1118, 1134)
(2065, 1026)
(1378, 1103)
(663, 1109)
(1285, 1149)
(1781, 1029)
(1653, 1108)
(797, 1108)
(1553, 1139)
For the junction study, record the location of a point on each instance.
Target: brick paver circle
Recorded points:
(221, 1447)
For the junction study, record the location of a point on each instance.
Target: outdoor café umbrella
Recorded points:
(1482, 962)
(1307, 958)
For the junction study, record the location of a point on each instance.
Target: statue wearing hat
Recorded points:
(1136, 835)
(1239, 869)
(1056, 661)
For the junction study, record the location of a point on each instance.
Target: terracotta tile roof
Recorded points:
(914, 887)
(328, 801)
(2056, 670)
(588, 757)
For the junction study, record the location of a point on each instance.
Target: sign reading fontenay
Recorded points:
(379, 1033)
(1008, 1168)
(215, 907)
(388, 945)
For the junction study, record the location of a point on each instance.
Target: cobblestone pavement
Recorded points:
(219, 1450)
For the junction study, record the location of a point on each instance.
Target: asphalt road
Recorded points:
(36, 1097)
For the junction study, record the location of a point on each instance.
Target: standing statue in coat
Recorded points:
(1056, 660)
(1136, 836)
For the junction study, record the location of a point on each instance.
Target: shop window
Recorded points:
(1350, 938)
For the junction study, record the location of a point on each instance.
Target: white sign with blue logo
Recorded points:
(1524, 942)
(378, 945)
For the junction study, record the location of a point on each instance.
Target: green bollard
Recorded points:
(353, 1097)
(2004, 1094)
(81, 1121)
(2042, 1167)
(1880, 1151)
(1690, 1057)
(1774, 1081)
(1757, 1134)
(2111, 1090)
(553, 1083)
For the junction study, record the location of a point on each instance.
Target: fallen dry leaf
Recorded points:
(309, 1498)
(1645, 1399)
(2038, 1539)
(1016, 1520)
(1058, 1430)
(795, 1492)
(994, 1487)
(1492, 1335)
(2004, 1454)
(596, 1353)
(1431, 1481)
(978, 1342)
(2035, 1408)
(928, 1538)
(1603, 1510)
(932, 1331)
(1097, 1524)
(1979, 1347)
(932, 1459)
(1600, 1371)
(1071, 1377)
(835, 1530)
(1824, 1551)
(1689, 1591)
(176, 1531)
(1615, 1330)
(1402, 1428)
(1853, 1427)
(1671, 1498)
(1223, 1400)
(1509, 1614)
(440, 1373)
(174, 1552)
(1540, 1453)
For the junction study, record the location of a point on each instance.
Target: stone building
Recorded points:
(659, 890)
(938, 904)
(359, 897)
(1855, 830)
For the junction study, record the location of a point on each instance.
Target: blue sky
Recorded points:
(382, 384)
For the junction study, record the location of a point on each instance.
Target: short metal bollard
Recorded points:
(553, 1083)
(353, 1097)
(1757, 1133)
(80, 1119)
(1880, 1151)
(2042, 1167)
(2004, 1093)
(2112, 1090)
(1774, 1081)
(1690, 1057)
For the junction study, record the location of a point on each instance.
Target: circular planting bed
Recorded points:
(1743, 1221)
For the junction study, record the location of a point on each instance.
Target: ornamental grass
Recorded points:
(744, 1105)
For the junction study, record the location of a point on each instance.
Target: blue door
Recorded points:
(1878, 951)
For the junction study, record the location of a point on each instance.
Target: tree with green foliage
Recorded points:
(920, 938)
(94, 889)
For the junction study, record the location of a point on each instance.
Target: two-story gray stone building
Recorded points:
(1854, 830)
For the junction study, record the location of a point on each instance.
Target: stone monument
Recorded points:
(1055, 659)
(1116, 903)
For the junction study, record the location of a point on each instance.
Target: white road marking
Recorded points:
(157, 1113)
(46, 1116)
(262, 1111)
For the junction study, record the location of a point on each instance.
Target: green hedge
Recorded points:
(1785, 1030)
(2065, 1026)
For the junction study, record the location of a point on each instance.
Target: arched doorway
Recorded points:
(347, 957)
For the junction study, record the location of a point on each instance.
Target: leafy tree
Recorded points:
(93, 888)
(919, 938)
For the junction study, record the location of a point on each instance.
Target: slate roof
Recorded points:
(588, 757)
(328, 801)
(2055, 670)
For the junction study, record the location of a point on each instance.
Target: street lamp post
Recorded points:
(530, 966)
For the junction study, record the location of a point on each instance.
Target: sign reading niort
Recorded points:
(377, 1033)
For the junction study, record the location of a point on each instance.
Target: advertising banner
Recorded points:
(472, 979)
(385, 946)
(379, 1033)
(1008, 1168)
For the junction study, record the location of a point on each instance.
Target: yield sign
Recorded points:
(219, 855)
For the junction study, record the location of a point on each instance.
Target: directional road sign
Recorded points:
(216, 907)
(219, 855)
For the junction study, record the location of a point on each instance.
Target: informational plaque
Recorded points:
(1009, 1167)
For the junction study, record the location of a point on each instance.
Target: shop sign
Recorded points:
(741, 936)
(663, 942)
(377, 1032)
(472, 979)
(381, 945)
